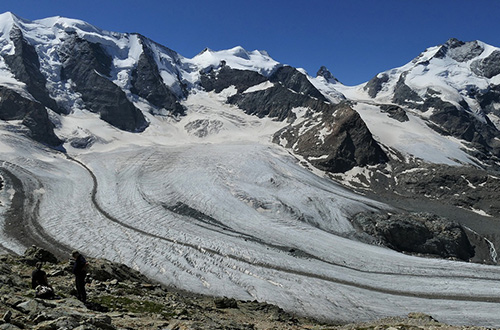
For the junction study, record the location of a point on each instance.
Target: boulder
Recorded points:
(36, 254)
(420, 233)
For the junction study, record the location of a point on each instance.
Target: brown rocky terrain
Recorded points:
(121, 298)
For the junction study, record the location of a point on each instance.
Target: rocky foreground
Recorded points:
(121, 298)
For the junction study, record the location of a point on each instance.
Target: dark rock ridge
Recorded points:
(33, 115)
(325, 73)
(25, 65)
(395, 112)
(419, 233)
(459, 51)
(469, 188)
(88, 66)
(450, 120)
(296, 81)
(345, 142)
(218, 80)
(487, 67)
(291, 90)
(147, 83)
(376, 84)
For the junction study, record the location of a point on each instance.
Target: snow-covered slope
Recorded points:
(187, 187)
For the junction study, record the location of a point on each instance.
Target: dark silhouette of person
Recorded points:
(80, 271)
(40, 283)
(38, 276)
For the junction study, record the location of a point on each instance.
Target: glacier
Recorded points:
(227, 217)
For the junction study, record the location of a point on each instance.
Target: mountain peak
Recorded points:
(454, 43)
(236, 58)
(9, 16)
(7, 20)
(460, 51)
(325, 73)
(69, 24)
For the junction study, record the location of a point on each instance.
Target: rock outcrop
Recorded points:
(88, 66)
(33, 115)
(146, 82)
(25, 65)
(417, 233)
(335, 140)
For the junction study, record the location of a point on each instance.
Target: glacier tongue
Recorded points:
(239, 219)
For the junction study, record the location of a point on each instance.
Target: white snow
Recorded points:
(413, 138)
(259, 87)
(236, 58)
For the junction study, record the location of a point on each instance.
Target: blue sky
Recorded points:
(355, 39)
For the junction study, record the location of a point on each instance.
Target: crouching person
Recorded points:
(40, 283)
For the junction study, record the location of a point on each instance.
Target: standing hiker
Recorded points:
(80, 271)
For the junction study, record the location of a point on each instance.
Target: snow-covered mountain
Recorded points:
(220, 173)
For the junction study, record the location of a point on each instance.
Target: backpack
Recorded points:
(44, 292)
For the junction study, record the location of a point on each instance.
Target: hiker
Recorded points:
(80, 271)
(40, 283)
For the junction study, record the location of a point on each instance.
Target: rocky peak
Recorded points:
(345, 142)
(296, 81)
(460, 51)
(325, 73)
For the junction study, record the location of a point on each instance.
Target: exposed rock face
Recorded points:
(404, 95)
(488, 99)
(25, 66)
(88, 66)
(487, 67)
(218, 80)
(395, 112)
(460, 51)
(375, 84)
(417, 233)
(292, 79)
(468, 188)
(344, 141)
(463, 125)
(291, 90)
(33, 115)
(147, 83)
(325, 73)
